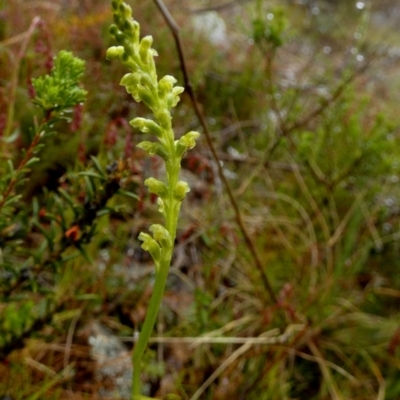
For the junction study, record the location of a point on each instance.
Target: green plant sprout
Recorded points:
(160, 96)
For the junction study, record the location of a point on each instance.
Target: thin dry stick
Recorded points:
(189, 89)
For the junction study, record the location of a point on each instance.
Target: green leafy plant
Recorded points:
(60, 90)
(55, 95)
(42, 239)
(160, 96)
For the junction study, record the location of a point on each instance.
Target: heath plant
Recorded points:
(21, 265)
(160, 96)
(45, 238)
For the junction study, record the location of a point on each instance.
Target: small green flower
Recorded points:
(157, 187)
(150, 245)
(186, 142)
(161, 235)
(114, 51)
(147, 126)
(154, 149)
(180, 190)
(144, 49)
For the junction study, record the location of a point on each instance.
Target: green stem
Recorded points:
(159, 285)
(160, 97)
(151, 316)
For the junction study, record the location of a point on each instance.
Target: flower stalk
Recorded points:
(160, 96)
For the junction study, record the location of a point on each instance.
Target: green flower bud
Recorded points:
(113, 30)
(173, 98)
(189, 140)
(145, 80)
(161, 207)
(129, 27)
(147, 147)
(132, 79)
(118, 20)
(131, 82)
(147, 126)
(150, 245)
(157, 187)
(154, 148)
(164, 119)
(115, 4)
(134, 92)
(161, 235)
(125, 10)
(165, 85)
(128, 62)
(186, 142)
(136, 32)
(146, 96)
(129, 49)
(120, 37)
(180, 190)
(144, 47)
(177, 90)
(114, 52)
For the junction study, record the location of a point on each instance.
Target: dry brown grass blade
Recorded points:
(235, 355)
(331, 384)
(70, 336)
(379, 377)
(248, 343)
(344, 222)
(330, 364)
